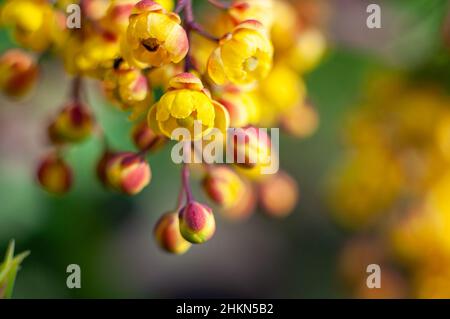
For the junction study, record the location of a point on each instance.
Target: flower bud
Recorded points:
(18, 73)
(197, 224)
(73, 124)
(146, 139)
(128, 173)
(245, 206)
(223, 186)
(54, 175)
(168, 236)
(252, 147)
(302, 121)
(102, 164)
(278, 194)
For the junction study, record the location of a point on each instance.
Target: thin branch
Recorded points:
(219, 4)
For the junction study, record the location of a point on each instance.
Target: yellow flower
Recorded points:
(154, 37)
(240, 105)
(128, 89)
(261, 10)
(283, 89)
(185, 103)
(18, 73)
(285, 26)
(243, 56)
(90, 55)
(308, 50)
(35, 25)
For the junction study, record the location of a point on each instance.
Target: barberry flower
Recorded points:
(261, 10)
(240, 105)
(243, 56)
(245, 206)
(252, 147)
(35, 24)
(145, 139)
(278, 194)
(308, 50)
(90, 53)
(73, 124)
(168, 236)
(18, 73)
(197, 223)
(154, 37)
(302, 121)
(125, 86)
(185, 103)
(284, 97)
(54, 175)
(223, 186)
(128, 173)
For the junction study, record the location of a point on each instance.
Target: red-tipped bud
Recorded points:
(252, 147)
(128, 173)
(73, 124)
(146, 139)
(168, 236)
(18, 73)
(223, 186)
(197, 223)
(279, 194)
(54, 175)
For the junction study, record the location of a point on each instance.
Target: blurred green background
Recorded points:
(110, 236)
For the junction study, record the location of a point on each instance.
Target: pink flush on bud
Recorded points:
(197, 223)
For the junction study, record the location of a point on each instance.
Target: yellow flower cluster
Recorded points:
(240, 67)
(396, 177)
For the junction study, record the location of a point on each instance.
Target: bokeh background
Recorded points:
(110, 236)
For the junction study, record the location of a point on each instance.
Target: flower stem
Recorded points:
(219, 4)
(77, 87)
(185, 180)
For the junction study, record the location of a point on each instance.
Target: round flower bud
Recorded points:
(279, 194)
(145, 139)
(251, 146)
(128, 173)
(168, 236)
(223, 186)
(197, 224)
(18, 73)
(73, 124)
(54, 175)
(245, 206)
(302, 121)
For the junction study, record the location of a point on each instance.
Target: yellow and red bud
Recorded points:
(18, 73)
(54, 175)
(128, 173)
(197, 223)
(145, 139)
(278, 194)
(252, 147)
(223, 186)
(168, 236)
(73, 124)
(245, 206)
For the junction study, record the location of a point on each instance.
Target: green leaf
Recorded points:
(9, 269)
